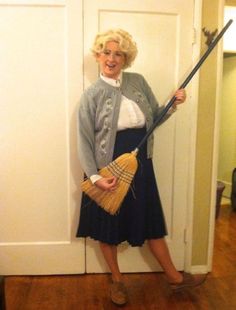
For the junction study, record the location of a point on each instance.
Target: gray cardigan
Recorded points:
(98, 116)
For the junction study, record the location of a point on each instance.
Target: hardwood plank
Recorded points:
(2, 293)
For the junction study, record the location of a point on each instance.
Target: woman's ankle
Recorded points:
(116, 277)
(177, 278)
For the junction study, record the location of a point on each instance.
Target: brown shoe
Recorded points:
(118, 293)
(189, 280)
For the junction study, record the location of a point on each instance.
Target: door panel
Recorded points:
(163, 32)
(39, 167)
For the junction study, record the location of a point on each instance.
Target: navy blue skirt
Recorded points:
(140, 216)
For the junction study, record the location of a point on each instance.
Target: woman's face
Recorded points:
(111, 60)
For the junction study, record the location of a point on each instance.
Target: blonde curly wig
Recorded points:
(123, 38)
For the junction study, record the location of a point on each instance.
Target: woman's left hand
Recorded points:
(180, 95)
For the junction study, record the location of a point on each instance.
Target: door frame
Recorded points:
(216, 141)
(193, 137)
(207, 267)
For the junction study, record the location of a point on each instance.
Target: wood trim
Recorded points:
(216, 140)
(192, 152)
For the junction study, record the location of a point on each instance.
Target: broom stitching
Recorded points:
(115, 164)
(119, 167)
(123, 167)
(121, 178)
(123, 175)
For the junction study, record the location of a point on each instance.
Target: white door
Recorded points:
(40, 82)
(163, 31)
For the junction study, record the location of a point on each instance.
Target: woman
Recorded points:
(114, 114)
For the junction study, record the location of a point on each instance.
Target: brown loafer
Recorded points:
(118, 293)
(189, 280)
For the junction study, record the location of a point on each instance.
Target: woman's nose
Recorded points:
(111, 56)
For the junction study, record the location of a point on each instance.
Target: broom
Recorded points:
(124, 167)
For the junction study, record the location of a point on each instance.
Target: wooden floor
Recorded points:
(146, 291)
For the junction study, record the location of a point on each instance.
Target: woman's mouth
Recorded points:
(111, 66)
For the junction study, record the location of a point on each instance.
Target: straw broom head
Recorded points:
(123, 168)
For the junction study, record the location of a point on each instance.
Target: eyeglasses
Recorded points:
(116, 55)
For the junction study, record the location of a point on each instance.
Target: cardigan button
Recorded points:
(103, 144)
(109, 101)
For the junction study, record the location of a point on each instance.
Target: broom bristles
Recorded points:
(123, 168)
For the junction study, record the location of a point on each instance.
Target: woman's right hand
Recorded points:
(107, 184)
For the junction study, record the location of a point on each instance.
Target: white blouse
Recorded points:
(130, 115)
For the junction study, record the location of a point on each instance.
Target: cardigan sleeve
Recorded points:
(86, 133)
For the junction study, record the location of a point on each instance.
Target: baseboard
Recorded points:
(198, 269)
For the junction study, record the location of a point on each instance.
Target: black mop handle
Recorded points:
(184, 84)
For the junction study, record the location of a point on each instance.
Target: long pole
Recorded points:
(184, 84)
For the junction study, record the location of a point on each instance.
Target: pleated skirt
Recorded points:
(140, 216)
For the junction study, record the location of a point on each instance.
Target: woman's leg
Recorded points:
(176, 279)
(118, 291)
(110, 255)
(161, 252)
